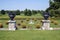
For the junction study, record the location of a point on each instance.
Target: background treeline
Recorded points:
(26, 12)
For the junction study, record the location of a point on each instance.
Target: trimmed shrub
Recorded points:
(32, 18)
(21, 21)
(40, 20)
(52, 21)
(23, 25)
(7, 23)
(1, 25)
(37, 26)
(55, 22)
(27, 19)
(18, 24)
(35, 19)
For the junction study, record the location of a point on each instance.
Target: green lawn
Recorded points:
(30, 35)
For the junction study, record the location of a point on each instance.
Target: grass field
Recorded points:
(30, 35)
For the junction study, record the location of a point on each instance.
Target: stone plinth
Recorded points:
(12, 25)
(46, 24)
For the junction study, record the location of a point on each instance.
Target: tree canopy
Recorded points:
(54, 8)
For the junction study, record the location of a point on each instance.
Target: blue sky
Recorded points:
(23, 4)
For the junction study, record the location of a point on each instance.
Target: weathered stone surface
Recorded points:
(45, 24)
(12, 25)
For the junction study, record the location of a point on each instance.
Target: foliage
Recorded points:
(27, 19)
(34, 12)
(3, 12)
(23, 25)
(1, 25)
(52, 21)
(54, 8)
(18, 24)
(55, 22)
(38, 26)
(7, 23)
(56, 0)
(27, 12)
(17, 12)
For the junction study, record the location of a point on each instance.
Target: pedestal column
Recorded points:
(46, 24)
(12, 25)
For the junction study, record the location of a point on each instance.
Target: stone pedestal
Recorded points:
(12, 25)
(46, 24)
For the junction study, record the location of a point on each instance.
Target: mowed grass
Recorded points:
(30, 35)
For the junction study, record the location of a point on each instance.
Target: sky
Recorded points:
(23, 4)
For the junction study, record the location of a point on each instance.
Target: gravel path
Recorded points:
(56, 28)
(3, 28)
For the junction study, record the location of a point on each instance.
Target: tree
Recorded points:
(0, 12)
(34, 12)
(38, 11)
(56, 0)
(25, 12)
(52, 13)
(54, 8)
(3, 12)
(54, 4)
(29, 13)
(18, 12)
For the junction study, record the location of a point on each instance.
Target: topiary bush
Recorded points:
(18, 24)
(27, 19)
(41, 21)
(22, 21)
(1, 25)
(37, 26)
(52, 21)
(55, 22)
(7, 23)
(35, 19)
(23, 25)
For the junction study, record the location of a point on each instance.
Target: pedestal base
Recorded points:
(46, 24)
(12, 25)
